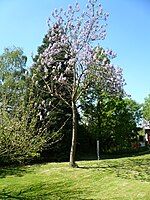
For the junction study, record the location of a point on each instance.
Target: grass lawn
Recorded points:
(124, 178)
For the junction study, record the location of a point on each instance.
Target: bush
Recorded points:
(18, 140)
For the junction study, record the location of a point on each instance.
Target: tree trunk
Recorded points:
(74, 135)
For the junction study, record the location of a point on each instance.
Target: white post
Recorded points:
(98, 149)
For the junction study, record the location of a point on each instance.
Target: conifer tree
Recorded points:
(53, 113)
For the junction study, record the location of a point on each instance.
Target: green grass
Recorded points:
(124, 178)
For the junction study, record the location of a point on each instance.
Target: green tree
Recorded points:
(12, 76)
(114, 121)
(18, 141)
(146, 108)
(127, 117)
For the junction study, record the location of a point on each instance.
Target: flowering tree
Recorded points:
(74, 34)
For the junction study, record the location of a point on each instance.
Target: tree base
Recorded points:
(73, 165)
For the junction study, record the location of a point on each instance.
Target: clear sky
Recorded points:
(23, 24)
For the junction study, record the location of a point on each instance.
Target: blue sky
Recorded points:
(23, 24)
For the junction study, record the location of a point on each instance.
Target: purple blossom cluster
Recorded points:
(110, 53)
(108, 77)
(74, 34)
(56, 61)
(81, 28)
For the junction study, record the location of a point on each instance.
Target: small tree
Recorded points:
(77, 34)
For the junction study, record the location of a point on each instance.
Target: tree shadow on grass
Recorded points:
(43, 191)
(14, 171)
(18, 170)
(7, 195)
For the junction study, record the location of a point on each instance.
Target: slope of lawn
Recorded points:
(124, 178)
